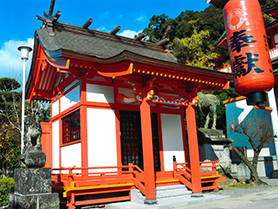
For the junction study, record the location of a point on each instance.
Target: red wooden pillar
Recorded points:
(147, 143)
(83, 127)
(193, 149)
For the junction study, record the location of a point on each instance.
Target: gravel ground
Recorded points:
(233, 189)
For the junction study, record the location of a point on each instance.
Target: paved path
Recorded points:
(266, 199)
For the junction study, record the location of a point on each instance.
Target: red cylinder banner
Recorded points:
(248, 46)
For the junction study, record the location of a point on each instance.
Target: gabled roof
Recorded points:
(69, 39)
(61, 48)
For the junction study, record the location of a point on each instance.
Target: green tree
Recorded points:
(210, 19)
(158, 25)
(10, 122)
(8, 96)
(194, 50)
(192, 34)
(6, 187)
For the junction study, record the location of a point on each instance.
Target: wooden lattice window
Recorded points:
(131, 139)
(71, 127)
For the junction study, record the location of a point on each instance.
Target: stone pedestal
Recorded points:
(33, 189)
(212, 136)
(211, 146)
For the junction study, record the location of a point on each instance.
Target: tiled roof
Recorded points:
(96, 43)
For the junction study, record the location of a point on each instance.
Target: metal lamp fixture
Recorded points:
(24, 56)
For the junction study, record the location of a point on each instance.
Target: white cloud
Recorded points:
(102, 29)
(11, 64)
(141, 18)
(129, 33)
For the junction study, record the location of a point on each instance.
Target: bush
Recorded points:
(6, 187)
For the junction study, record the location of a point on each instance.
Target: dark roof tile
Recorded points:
(98, 44)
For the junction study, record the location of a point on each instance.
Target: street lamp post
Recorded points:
(24, 56)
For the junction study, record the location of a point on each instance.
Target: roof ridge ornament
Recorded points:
(115, 30)
(49, 20)
(87, 23)
(166, 33)
(163, 39)
(140, 36)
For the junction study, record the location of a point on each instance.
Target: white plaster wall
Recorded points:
(70, 98)
(264, 152)
(55, 145)
(172, 140)
(99, 93)
(55, 108)
(102, 149)
(71, 156)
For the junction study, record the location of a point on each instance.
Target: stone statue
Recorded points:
(208, 101)
(32, 156)
(32, 188)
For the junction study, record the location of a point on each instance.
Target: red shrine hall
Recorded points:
(118, 112)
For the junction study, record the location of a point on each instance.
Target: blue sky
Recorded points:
(18, 21)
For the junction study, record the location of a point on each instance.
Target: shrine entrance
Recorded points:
(131, 139)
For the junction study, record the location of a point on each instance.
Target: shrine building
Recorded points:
(118, 112)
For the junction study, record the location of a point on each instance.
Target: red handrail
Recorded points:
(96, 176)
(213, 165)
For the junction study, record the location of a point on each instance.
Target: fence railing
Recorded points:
(98, 177)
(208, 171)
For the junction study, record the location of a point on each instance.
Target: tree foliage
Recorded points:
(192, 35)
(10, 122)
(6, 187)
(267, 3)
(194, 50)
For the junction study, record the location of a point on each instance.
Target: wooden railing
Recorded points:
(182, 172)
(73, 181)
(210, 166)
(210, 177)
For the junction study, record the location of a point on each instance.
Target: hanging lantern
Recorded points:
(248, 49)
